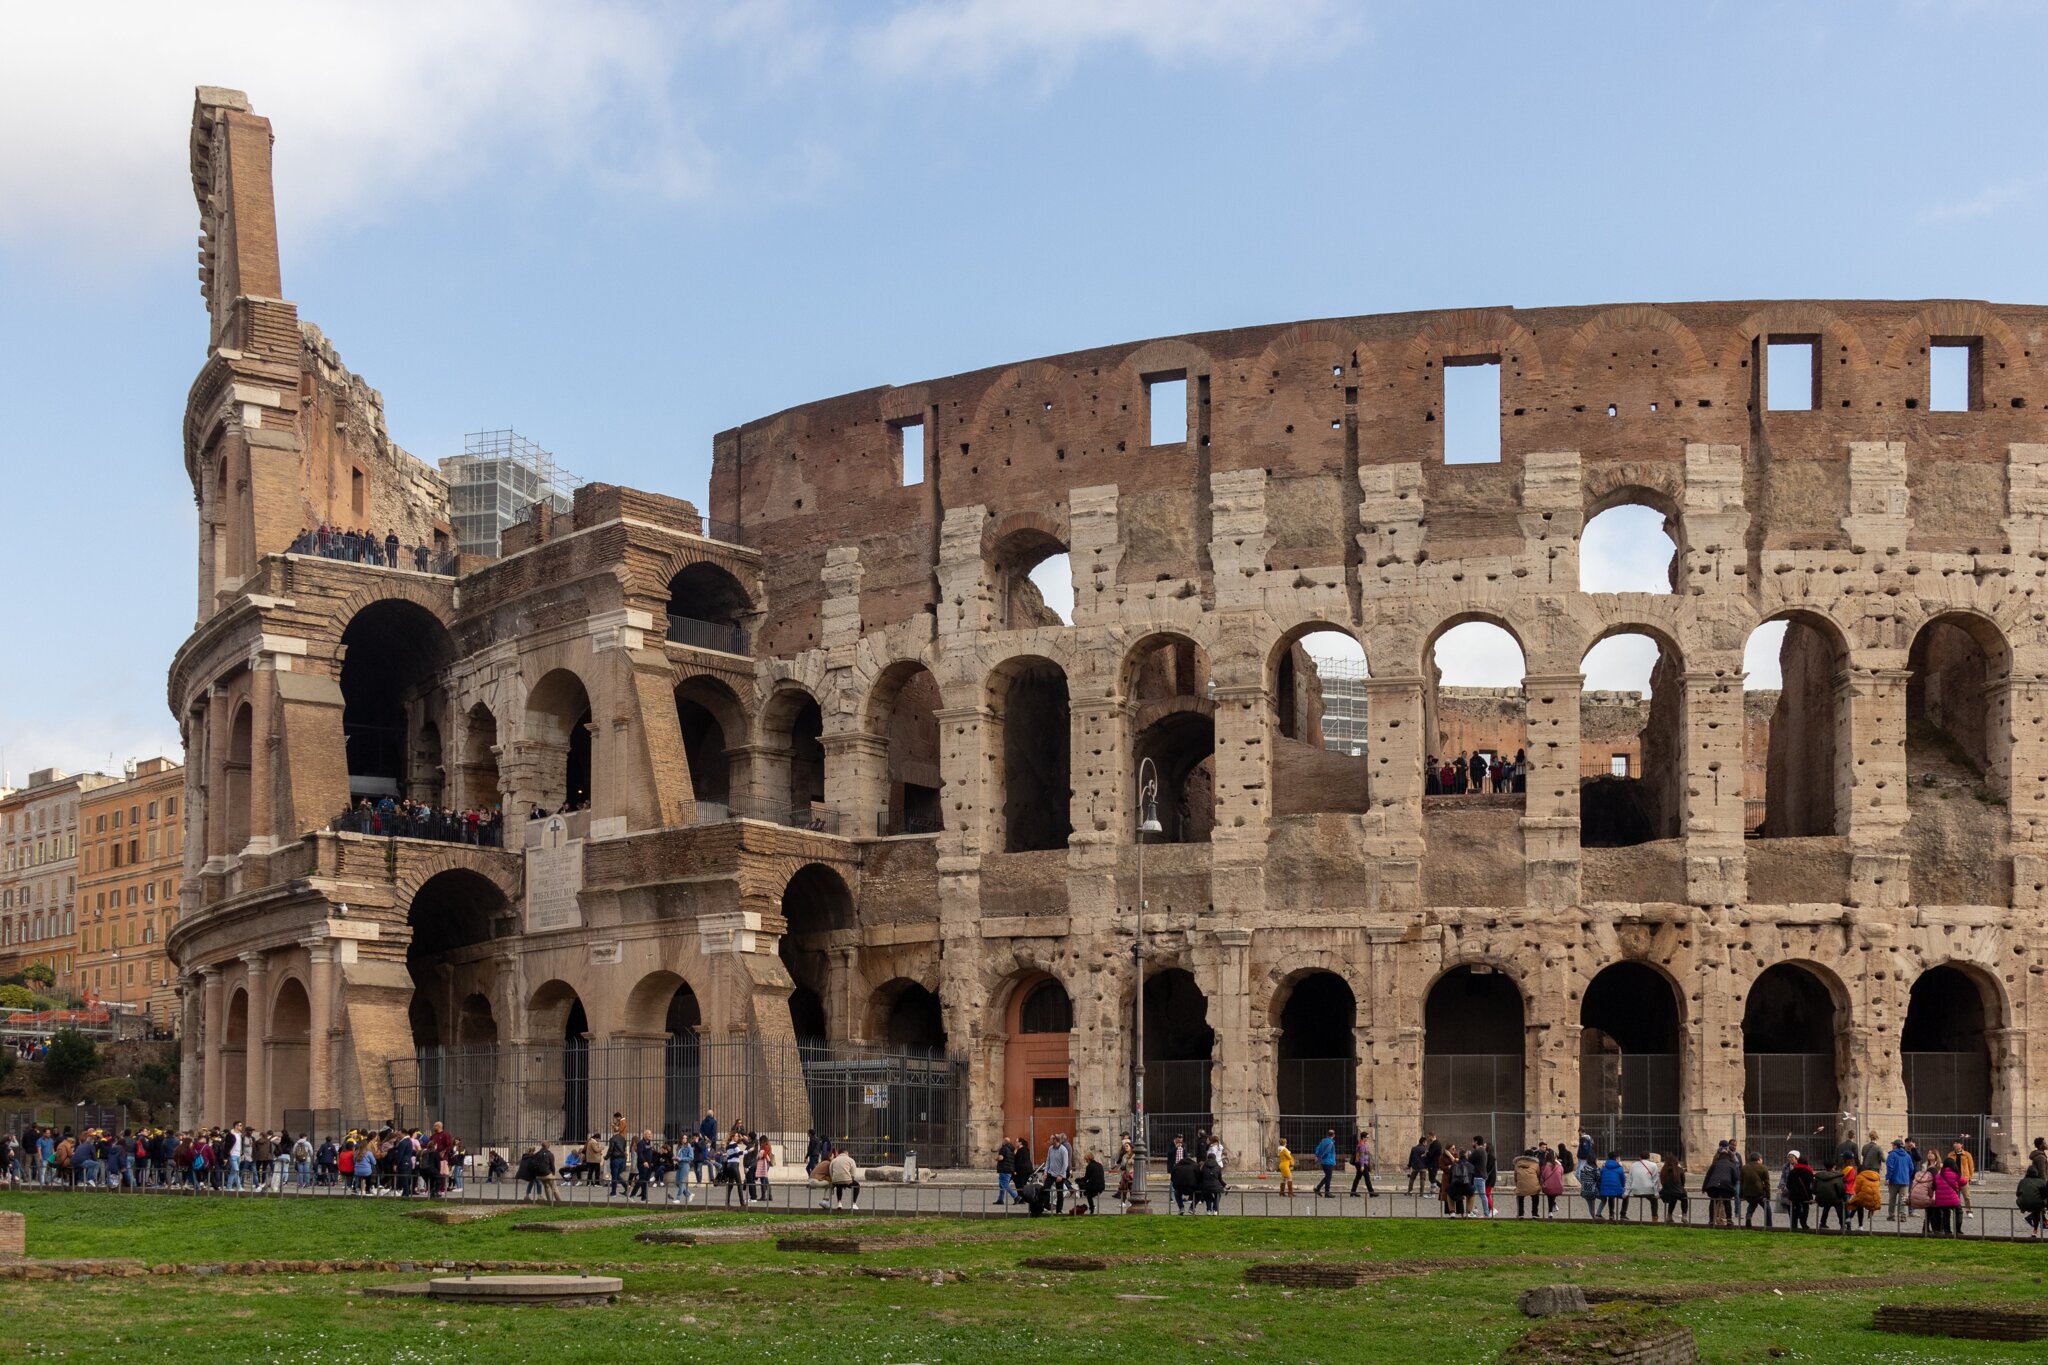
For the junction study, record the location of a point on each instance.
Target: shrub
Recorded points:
(70, 1058)
(17, 998)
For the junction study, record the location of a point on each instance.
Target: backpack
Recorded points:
(1920, 1194)
(1461, 1172)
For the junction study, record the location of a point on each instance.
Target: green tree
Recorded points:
(17, 998)
(39, 971)
(70, 1058)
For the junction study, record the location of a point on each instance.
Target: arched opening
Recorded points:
(1793, 717)
(451, 911)
(903, 710)
(1031, 721)
(682, 1071)
(1033, 580)
(1166, 680)
(1631, 743)
(1629, 548)
(1945, 1057)
(239, 795)
(1629, 1046)
(1179, 1048)
(912, 1020)
(708, 608)
(1958, 762)
(1476, 718)
(1472, 1057)
(1317, 685)
(705, 708)
(1038, 1094)
(480, 759)
(1317, 1056)
(427, 1055)
(290, 1059)
(1790, 1041)
(234, 1068)
(794, 726)
(476, 1026)
(392, 656)
(816, 906)
(558, 1034)
(558, 731)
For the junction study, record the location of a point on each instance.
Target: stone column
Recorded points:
(1870, 783)
(320, 1044)
(256, 1094)
(1390, 1083)
(1713, 1075)
(2026, 708)
(213, 1092)
(1550, 820)
(1241, 1106)
(1711, 711)
(857, 782)
(192, 1064)
(262, 727)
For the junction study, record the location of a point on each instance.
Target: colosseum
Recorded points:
(841, 812)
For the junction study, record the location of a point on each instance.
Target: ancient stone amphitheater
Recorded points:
(858, 846)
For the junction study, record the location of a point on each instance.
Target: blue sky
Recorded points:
(621, 229)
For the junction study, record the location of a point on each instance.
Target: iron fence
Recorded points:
(878, 1103)
(718, 635)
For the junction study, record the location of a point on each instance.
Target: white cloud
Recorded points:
(976, 37)
(1987, 202)
(372, 101)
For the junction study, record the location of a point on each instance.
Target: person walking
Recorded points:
(1866, 1197)
(1093, 1180)
(1831, 1195)
(1588, 1173)
(1059, 1164)
(1549, 1178)
(1799, 1188)
(1756, 1190)
(1361, 1165)
(1326, 1157)
(1420, 1164)
(1283, 1161)
(2032, 1197)
(1005, 1192)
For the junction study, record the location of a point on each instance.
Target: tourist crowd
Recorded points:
(1461, 775)
(417, 820)
(741, 1165)
(392, 1161)
(361, 547)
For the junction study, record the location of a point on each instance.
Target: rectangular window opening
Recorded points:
(1049, 1092)
(1790, 382)
(1166, 405)
(356, 490)
(1472, 410)
(910, 444)
(1617, 766)
(1950, 366)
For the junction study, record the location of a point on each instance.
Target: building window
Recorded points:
(1472, 409)
(1617, 766)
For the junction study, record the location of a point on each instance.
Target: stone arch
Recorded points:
(1443, 738)
(792, 729)
(1027, 409)
(1615, 509)
(1017, 601)
(707, 607)
(1180, 1050)
(1036, 1082)
(476, 1022)
(713, 722)
(1796, 319)
(1475, 1052)
(480, 750)
(1475, 331)
(288, 1047)
(1959, 318)
(1315, 1056)
(1030, 753)
(234, 1047)
(1953, 1073)
(1806, 780)
(557, 731)
(1961, 665)
(1165, 681)
(395, 655)
(906, 1013)
(236, 773)
(1648, 800)
(1796, 1037)
(901, 711)
(817, 910)
(1632, 1056)
(558, 1030)
(1630, 317)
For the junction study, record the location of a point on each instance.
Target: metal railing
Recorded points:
(815, 816)
(718, 635)
(440, 826)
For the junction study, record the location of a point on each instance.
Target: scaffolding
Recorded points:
(495, 482)
(1343, 685)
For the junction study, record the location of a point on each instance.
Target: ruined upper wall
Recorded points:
(1319, 405)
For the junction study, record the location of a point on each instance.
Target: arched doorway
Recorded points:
(1629, 1061)
(1319, 732)
(480, 759)
(1179, 1050)
(1796, 793)
(290, 1056)
(1945, 1057)
(1032, 743)
(1631, 741)
(1317, 1058)
(1038, 1096)
(903, 711)
(452, 916)
(682, 1073)
(1629, 547)
(1473, 1048)
(707, 608)
(815, 906)
(241, 744)
(1790, 1040)
(705, 708)
(1474, 708)
(1166, 681)
(234, 1070)
(1958, 762)
(393, 653)
(914, 1020)
(558, 732)
(1032, 581)
(560, 1033)
(428, 1059)
(793, 726)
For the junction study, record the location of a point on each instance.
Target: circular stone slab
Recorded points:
(567, 1290)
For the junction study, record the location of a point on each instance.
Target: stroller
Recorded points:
(1036, 1194)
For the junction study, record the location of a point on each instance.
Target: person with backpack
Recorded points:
(1212, 1182)
(1898, 1176)
(302, 1162)
(1588, 1175)
(1831, 1194)
(1420, 1164)
(1186, 1182)
(1005, 1191)
(1865, 1197)
(1528, 1183)
(1756, 1190)
(1799, 1188)
(2032, 1197)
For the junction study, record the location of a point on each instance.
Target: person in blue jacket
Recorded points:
(1613, 1186)
(1898, 1174)
(1326, 1157)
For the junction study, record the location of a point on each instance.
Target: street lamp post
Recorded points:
(120, 996)
(1148, 808)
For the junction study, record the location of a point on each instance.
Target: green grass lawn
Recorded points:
(749, 1302)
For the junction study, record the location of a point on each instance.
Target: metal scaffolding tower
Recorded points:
(493, 483)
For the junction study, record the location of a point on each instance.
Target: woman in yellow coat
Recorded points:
(1285, 1162)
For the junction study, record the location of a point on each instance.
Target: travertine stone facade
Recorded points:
(853, 763)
